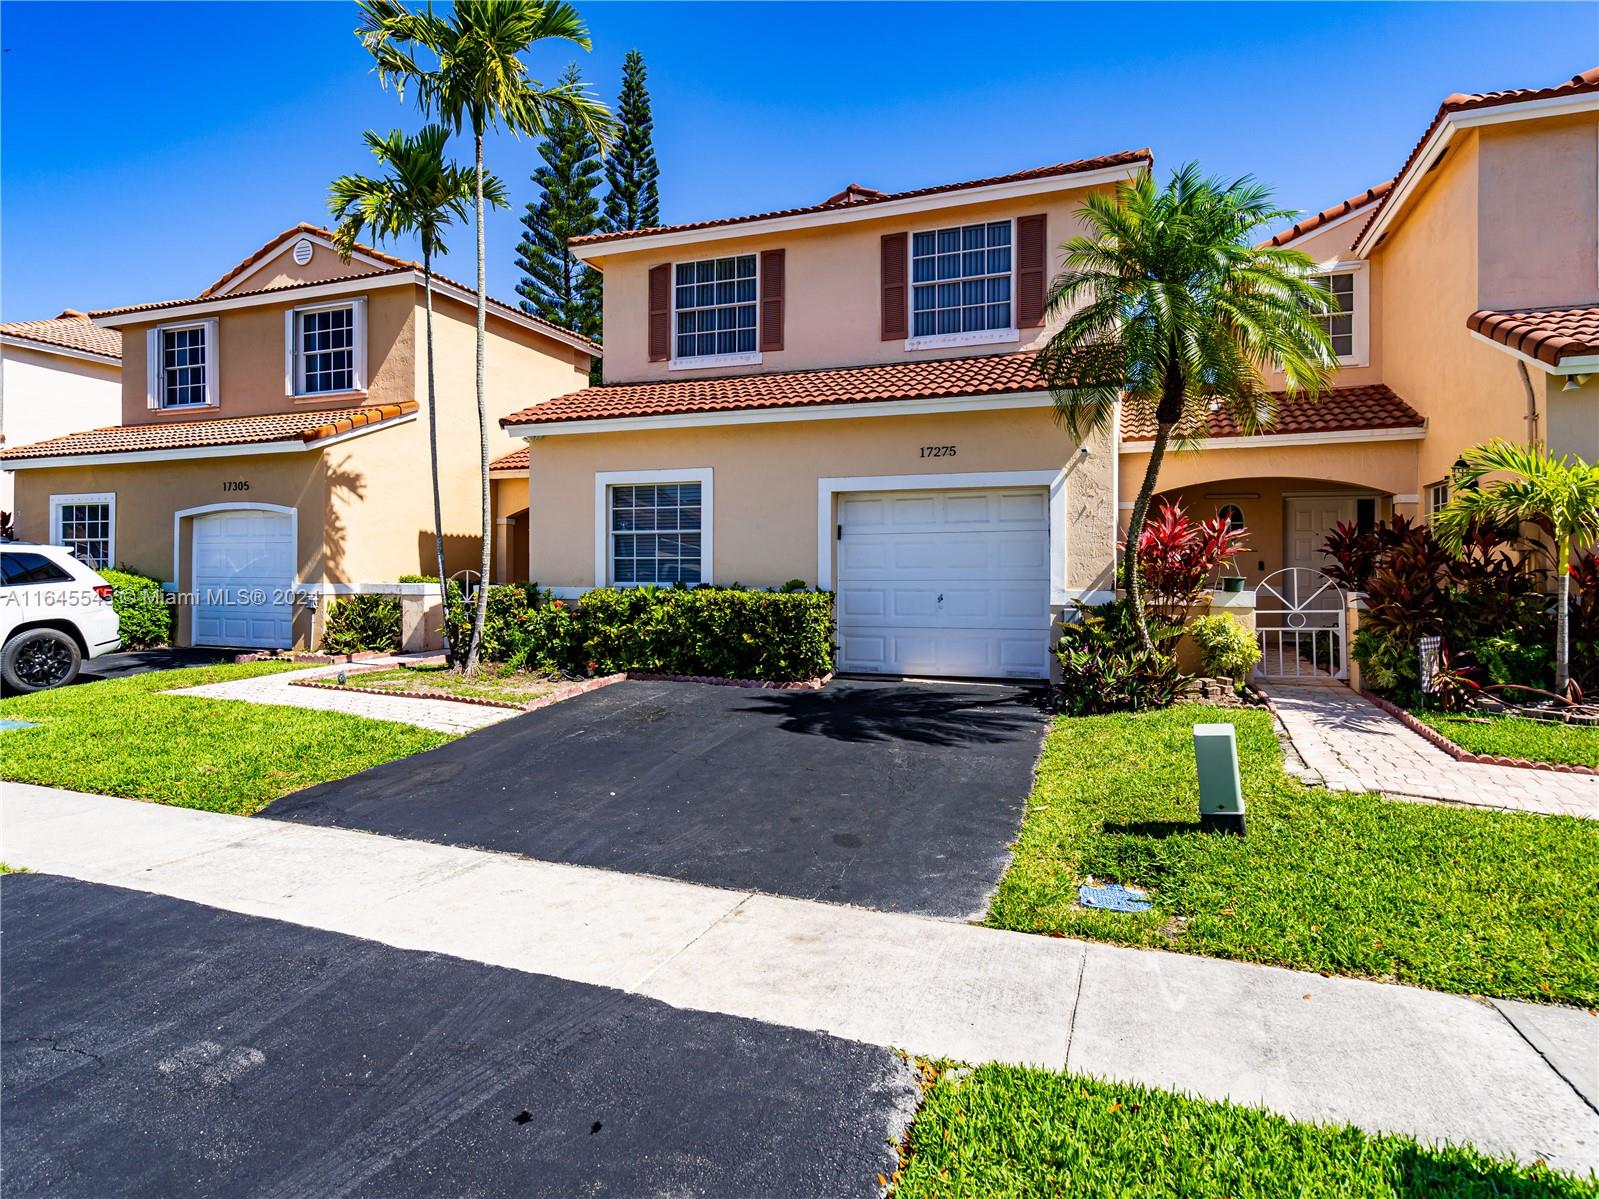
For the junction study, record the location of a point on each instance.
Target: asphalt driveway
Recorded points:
(140, 661)
(889, 795)
(158, 1048)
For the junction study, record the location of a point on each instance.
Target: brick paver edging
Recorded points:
(1465, 755)
(309, 659)
(568, 691)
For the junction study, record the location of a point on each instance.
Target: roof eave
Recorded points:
(51, 347)
(596, 252)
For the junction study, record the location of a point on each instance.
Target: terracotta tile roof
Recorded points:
(515, 460)
(1341, 409)
(72, 330)
(1585, 81)
(307, 427)
(1327, 215)
(988, 374)
(275, 243)
(400, 266)
(1547, 334)
(856, 196)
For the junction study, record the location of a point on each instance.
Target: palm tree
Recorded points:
(479, 81)
(1180, 312)
(1560, 492)
(422, 194)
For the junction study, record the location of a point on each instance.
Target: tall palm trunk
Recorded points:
(1132, 577)
(1563, 621)
(433, 453)
(476, 642)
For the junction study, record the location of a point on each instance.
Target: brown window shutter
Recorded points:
(1032, 255)
(661, 312)
(772, 271)
(895, 251)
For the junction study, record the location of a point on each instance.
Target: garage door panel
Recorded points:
(243, 575)
(945, 583)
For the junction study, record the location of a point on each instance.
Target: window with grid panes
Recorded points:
(655, 533)
(715, 301)
(961, 279)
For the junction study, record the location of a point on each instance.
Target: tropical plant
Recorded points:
(1106, 667)
(421, 194)
(1177, 559)
(1351, 554)
(477, 80)
(1560, 493)
(555, 285)
(633, 198)
(1182, 313)
(1585, 623)
(1226, 648)
(362, 624)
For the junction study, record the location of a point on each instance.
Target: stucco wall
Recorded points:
(46, 395)
(280, 269)
(1384, 466)
(1570, 418)
(832, 296)
(1538, 215)
(765, 485)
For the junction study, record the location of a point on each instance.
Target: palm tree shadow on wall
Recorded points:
(349, 485)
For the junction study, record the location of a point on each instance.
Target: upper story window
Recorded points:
(961, 285)
(327, 348)
(714, 310)
(183, 365)
(1346, 325)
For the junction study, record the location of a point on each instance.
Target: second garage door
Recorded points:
(942, 583)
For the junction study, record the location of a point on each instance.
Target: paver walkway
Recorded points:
(1353, 745)
(441, 715)
(1514, 1079)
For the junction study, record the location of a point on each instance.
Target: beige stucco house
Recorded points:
(272, 448)
(1471, 288)
(56, 376)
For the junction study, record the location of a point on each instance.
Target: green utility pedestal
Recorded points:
(1221, 795)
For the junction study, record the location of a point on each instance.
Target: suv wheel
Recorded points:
(40, 659)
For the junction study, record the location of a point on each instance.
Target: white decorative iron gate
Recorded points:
(1300, 622)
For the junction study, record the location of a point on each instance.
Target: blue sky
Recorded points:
(145, 148)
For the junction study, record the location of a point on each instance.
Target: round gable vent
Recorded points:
(302, 251)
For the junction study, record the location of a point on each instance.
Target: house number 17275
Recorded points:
(235, 485)
(938, 451)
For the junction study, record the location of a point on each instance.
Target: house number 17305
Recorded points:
(938, 451)
(235, 485)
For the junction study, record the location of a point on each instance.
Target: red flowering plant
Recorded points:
(1177, 559)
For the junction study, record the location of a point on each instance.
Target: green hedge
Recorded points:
(723, 632)
(362, 624)
(143, 613)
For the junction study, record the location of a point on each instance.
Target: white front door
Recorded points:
(1307, 522)
(243, 576)
(944, 582)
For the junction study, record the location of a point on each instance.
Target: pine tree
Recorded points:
(555, 285)
(634, 200)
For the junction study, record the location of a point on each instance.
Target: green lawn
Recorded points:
(1006, 1131)
(493, 681)
(1479, 902)
(120, 737)
(1518, 737)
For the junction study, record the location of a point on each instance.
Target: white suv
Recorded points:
(54, 613)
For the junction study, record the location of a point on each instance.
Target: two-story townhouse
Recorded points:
(273, 446)
(842, 394)
(56, 376)
(1470, 293)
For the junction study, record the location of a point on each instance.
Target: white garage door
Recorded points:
(243, 573)
(944, 582)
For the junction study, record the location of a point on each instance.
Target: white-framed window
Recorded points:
(652, 526)
(963, 285)
(87, 525)
(1348, 325)
(325, 348)
(1437, 497)
(182, 365)
(715, 302)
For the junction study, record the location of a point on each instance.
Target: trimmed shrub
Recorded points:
(1226, 649)
(1105, 669)
(722, 632)
(142, 609)
(362, 624)
(727, 632)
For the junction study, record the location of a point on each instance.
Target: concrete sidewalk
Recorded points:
(1513, 1079)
